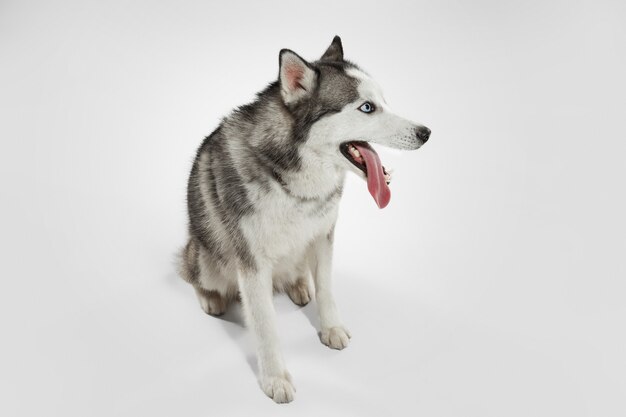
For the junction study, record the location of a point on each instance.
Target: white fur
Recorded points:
(287, 241)
(381, 127)
(256, 296)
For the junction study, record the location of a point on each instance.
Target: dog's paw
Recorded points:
(299, 293)
(336, 337)
(278, 388)
(211, 302)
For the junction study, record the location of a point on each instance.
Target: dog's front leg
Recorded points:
(333, 334)
(256, 292)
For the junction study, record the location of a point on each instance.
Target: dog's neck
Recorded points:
(317, 176)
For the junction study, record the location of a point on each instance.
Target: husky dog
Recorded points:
(264, 192)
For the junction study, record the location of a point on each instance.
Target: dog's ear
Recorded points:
(334, 51)
(297, 77)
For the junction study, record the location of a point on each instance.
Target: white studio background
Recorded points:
(493, 284)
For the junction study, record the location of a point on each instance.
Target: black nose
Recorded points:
(423, 133)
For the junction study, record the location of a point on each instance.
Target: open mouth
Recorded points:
(365, 158)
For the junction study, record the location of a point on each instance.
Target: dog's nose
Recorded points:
(423, 133)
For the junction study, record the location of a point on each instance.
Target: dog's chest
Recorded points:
(283, 224)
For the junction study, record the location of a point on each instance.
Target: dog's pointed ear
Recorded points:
(334, 51)
(297, 77)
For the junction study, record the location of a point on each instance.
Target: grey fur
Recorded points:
(334, 51)
(331, 234)
(323, 205)
(263, 197)
(267, 135)
(190, 269)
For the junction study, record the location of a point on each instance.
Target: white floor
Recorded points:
(493, 284)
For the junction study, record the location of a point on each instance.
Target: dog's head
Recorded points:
(339, 110)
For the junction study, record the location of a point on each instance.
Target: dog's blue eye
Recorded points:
(367, 107)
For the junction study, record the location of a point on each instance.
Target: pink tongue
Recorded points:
(376, 183)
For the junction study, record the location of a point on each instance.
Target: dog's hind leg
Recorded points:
(299, 290)
(189, 267)
(197, 269)
(211, 301)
